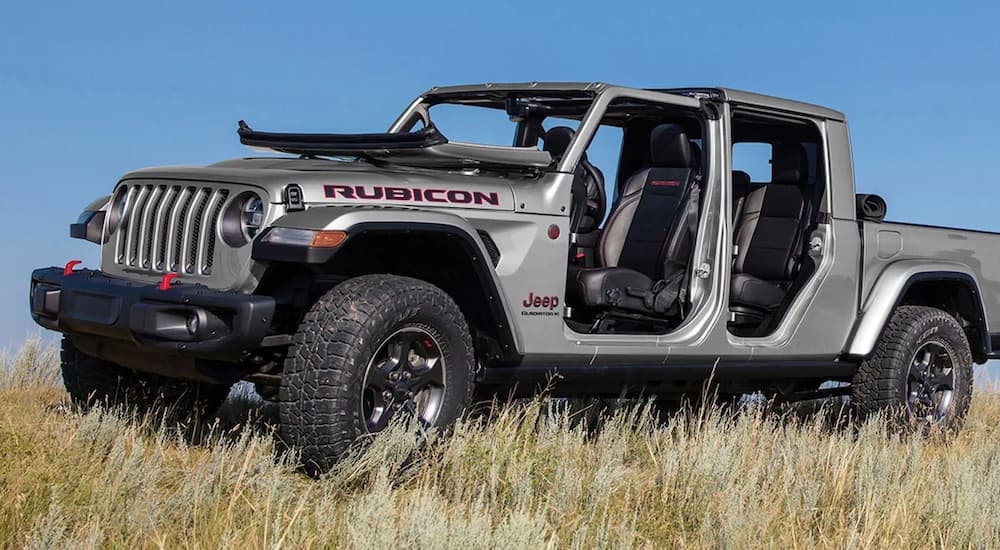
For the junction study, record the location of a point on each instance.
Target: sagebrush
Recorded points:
(528, 475)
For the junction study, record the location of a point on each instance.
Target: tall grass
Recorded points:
(533, 475)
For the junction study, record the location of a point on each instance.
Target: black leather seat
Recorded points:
(647, 240)
(589, 202)
(770, 231)
(741, 188)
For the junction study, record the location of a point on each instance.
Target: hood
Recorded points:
(345, 182)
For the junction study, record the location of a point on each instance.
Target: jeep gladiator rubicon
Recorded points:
(354, 278)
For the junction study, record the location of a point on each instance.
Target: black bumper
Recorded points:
(185, 320)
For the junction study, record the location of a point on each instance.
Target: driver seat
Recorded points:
(647, 240)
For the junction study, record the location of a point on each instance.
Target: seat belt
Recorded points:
(673, 287)
(692, 231)
(805, 223)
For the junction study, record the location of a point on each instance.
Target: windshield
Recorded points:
(491, 126)
(499, 118)
(473, 124)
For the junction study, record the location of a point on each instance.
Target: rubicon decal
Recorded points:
(540, 305)
(412, 194)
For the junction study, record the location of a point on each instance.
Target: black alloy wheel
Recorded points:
(406, 374)
(931, 383)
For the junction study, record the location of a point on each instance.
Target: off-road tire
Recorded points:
(93, 382)
(880, 384)
(320, 397)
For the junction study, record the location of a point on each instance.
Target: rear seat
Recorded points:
(741, 187)
(769, 233)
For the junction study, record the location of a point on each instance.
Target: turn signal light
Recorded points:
(328, 239)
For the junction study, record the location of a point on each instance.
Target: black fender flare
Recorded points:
(470, 243)
(891, 289)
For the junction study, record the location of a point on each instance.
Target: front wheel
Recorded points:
(920, 372)
(372, 349)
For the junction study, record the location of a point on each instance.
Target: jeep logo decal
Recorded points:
(411, 194)
(540, 305)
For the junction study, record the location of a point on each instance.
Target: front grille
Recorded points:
(169, 228)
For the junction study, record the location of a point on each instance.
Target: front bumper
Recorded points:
(184, 320)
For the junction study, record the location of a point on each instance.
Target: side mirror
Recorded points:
(870, 207)
(90, 225)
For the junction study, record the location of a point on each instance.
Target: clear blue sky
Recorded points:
(90, 90)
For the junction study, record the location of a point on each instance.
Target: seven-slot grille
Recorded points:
(169, 228)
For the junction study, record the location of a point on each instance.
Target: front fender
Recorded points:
(355, 221)
(889, 290)
(342, 218)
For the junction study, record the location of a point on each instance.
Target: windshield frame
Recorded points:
(592, 120)
(600, 96)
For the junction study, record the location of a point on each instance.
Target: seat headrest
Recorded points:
(669, 147)
(789, 164)
(557, 140)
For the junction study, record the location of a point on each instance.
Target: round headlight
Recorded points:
(242, 219)
(117, 210)
(253, 216)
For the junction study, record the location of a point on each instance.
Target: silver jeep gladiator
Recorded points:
(355, 278)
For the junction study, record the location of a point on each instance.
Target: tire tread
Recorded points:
(879, 382)
(322, 374)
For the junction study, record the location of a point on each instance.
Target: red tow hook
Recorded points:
(167, 279)
(68, 270)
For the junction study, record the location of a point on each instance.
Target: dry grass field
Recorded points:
(533, 475)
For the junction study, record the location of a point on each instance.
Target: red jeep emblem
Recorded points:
(546, 302)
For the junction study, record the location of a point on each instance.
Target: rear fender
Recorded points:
(890, 291)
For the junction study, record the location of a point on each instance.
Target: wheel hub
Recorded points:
(406, 374)
(930, 382)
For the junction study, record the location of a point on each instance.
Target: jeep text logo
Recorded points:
(540, 305)
(380, 193)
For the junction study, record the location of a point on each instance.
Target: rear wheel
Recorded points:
(920, 372)
(92, 382)
(372, 349)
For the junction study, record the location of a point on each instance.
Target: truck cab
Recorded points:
(748, 271)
